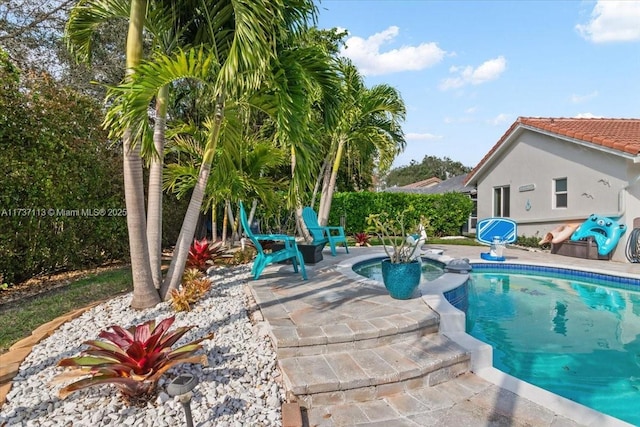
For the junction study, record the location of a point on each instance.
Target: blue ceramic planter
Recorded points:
(401, 280)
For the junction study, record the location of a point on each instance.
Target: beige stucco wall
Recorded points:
(595, 181)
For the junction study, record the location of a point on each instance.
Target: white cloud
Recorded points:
(421, 136)
(578, 99)
(367, 55)
(612, 21)
(586, 116)
(466, 119)
(487, 71)
(499, 119)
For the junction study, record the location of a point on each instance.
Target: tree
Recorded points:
(85, 17)
(369, 124)
(32, 32)
(431, 166)
(244, 34)
(163, 24)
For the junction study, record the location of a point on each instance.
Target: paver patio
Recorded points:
(352, 355)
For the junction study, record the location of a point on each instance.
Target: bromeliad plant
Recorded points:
(402, 235)
(194, 286)
(202, 254)
(362, 239)
(132, 359)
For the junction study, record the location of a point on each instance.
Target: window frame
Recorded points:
(560, 193)
(502, 201)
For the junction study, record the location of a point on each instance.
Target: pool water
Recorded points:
(372, 269)
(577, 339)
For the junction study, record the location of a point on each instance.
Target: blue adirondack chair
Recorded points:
(290, 250)
(327, 234)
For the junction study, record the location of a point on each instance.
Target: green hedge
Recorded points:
(62, 204)
(446, 213)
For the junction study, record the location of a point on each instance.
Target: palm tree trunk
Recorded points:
(319, 181)
(179, 260)
(214, 223)
(329, 188)
(298, 204)
(225, 223)
(154, 204)
(187, 232)
(145, 294)
(232, 222)
(252, 212)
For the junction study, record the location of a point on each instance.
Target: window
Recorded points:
(501, 201)
(560, 192)
(473, 218)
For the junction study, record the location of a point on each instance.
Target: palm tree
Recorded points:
(244, 34)
(241, 164)
(241, 36)
(83, 20)
(369, 123)
(305, 96)
(164, 24)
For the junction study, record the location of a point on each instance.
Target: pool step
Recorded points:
(371, 373)
(339, 340)
(353, 334)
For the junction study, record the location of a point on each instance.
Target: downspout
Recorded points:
(621, 198)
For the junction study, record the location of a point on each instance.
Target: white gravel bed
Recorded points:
(240, 386)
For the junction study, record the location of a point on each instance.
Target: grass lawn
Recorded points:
(18, 319)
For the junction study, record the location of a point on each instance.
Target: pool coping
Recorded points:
(452, 325)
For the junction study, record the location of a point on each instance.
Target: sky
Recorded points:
(467, 70)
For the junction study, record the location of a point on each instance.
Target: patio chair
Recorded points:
(290, 250)
(324, 234)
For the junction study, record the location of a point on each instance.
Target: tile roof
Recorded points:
(455, 184)
(429, 182)
(621, 135)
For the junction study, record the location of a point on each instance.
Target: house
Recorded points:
(545, 172)
(435, 186)
(425, 183)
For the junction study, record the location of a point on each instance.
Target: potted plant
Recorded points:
(401, 272)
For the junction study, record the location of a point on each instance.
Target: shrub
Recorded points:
(62, 201)
(244, 256)
(132, 359)
(531, 242)
(445, 213)
(194, 287)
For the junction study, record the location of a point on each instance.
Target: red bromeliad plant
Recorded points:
(202, 253)
(199, 255)
(132, 359)
(362, 239)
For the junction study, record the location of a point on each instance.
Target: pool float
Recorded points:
(559, 234)
(416, 241)
(605, 231)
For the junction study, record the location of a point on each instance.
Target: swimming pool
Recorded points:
(575, 334)
(372, 269)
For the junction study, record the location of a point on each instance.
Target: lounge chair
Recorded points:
(323, 234)
(290, 250)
